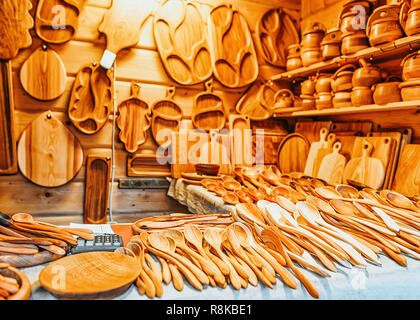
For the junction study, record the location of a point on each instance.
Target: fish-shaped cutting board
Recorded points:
(332, 166)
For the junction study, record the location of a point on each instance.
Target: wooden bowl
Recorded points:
(232, 185)
(24, 291)
(243, 196)
(361, 96)
(341, 99)
(206, 182)
(323, 100)
(384, 25)
(410, 90)
(207, 169)
(412, 25)
(411, 66)
(230, 198)
(311, 56)
(386, 92)
(354, 42)
(219, 191)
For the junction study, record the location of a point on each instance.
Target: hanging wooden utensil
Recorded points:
(407, 177)
(43, 75)
(57, 21)
(8, 159)
(121, 26)
(133, 120)
(98, 171)
(148, 165)
(15, 23)
(181, 40)
(313, 152)
(252, 103)
(166, 118)
(240, 140)
(91, 98)
(232, 50)
(208, 110)
(332, 166)
(311, 129)
(292, 153)
(49, 155)
(275, 33)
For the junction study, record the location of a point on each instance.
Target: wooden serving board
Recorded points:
(8, 158)
(15, 23)
(322, 152)
(91, 275)
(312, 129)
(180, 36)
(43, 75)
(56, 21)
(49, 155)
(208, 110)
(361, 126)
(347, 144)
(265, 148)
(292, 153)
(166, 118)
(91, 98)
(148, 165)
(332, 166)
(98, 172)
(407, 177)
(133, 120)
(240, 140)
(275, 33)
(313, 152)
(254, 102)
(232, 51)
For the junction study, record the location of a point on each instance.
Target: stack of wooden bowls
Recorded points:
(331, 44)
(311, 44)
(307, 93)
(410, 88)
(323, 93)
(384, 24)
(294, 60)
(410, 17)
(363, 80)
(342, 85)
(387, 91)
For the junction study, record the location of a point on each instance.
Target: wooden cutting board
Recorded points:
(15, 32)
(148, 165)
(265, 148)
(8, 158)
(347, 144)
(313, 152)
(208, 110)
(361, 126)
(407, 176)
(133, 120)
(251, 104)
(232, 51)
(275, 33)
(91, 99)
(292, 153)
(121, 25)
(49, 155)
(43, 75)
(312, 129)
(166, 118)
(365, 169)
(240, 140)
(91, 275)
(322, 152)
(56, 21)
(332, 166)
(98, 172)
(181, 39)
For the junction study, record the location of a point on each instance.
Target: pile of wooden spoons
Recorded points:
(25, 242)
(14, 284)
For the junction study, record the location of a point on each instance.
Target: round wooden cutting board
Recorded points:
(91, 275)
(292, 154)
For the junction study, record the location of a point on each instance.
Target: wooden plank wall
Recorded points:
(141, 64)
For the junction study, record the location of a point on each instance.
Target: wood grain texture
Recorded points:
(311, 129)
(180, 36)
(232, 50)
(265, 147)
(292, 153)
(322, 152)
(92, 275)
(313, 152)
(8, 158)
(43, 75)
(133, 120)
(91, 98)
(148, 165)
(98, 171)
(15, 23)
(407, 177)
(363, 126)
(332, 166)
(240, 140)
(56, 21)
(49, 155)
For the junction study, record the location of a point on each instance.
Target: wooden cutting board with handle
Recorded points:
(15, 23)
(363, 126)
(311, 129)
(313, 151)
(122, 25)
(407, 176)
(240, 140)
(292, 153)
(366, 170)
(332, 166)
(43, 75)
(49, 155)
(252, 102)
(322, 152)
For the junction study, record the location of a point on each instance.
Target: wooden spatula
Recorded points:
(332, 166)
(366, 170)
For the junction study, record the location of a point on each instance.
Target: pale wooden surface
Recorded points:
(292, 153)
(240, 140)
(407, 179)
(332, 166)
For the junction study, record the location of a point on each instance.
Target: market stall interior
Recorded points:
(160, 148)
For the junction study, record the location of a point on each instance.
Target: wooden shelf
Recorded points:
(395, 106)
(395, 48)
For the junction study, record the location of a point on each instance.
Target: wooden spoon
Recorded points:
(400, 201)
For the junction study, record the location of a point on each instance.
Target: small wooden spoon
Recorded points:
(400, 201)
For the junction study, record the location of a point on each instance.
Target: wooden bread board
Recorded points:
(347, 144)
(311, 129)
(265, 148)
(292, 153)
(322, 152)
(241, 140)
(407, 176)
(362, 126)
(332, 166)
(316, 146)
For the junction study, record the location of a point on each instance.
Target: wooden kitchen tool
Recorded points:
(179, 32)
(332, 166)
(322, 152)
(148, 165)
(57, 21)
(232, 51)
(313, 152)
(364, 169)
(275, 33)
(292, 153)
(8, 158)
(217, 152)
(43, 75)
(363, 126)
(407, 176)
(166, 118)
(91, 275)
(311, 129)
(133, 120)
(121, 25)
(240, 140)
(265, 148)
(347, 144)
(208, 110)
(15, 23)
(98, 171)
(49, 155)
(251, 103)
(23, 285)
(91, 98)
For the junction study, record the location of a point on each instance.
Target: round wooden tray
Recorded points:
(25, 285)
